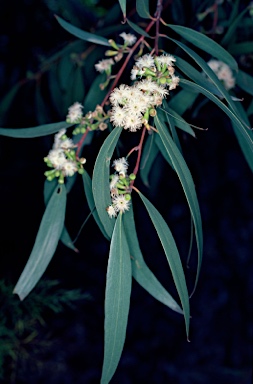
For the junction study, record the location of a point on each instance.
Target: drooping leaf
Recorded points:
(91, 203)
(40, 130)
(172, 255)
(100, 180)
(163, 151)
(142, 8)
(185, 178)
(245, 81)
(95, 95)
(87, 36)
(142, 274)
(182, 101)
(137, 29)
(178, 120)
(149, 154)
(122, 4)
(242, 130)
(67, 241)
(45, 244)
(117, 300)
(170, 121)
(206, 44)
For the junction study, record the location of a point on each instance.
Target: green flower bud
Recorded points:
(128, 196)
(132, 176)
(162, 80)
(80, 171)
(82, 129)
(113, 44)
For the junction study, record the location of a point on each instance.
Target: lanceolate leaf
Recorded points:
(245, 81)
(122, 4)
(45, 244)
(150, 152)
(206, 44)
(89, 196)
(140, 270)
(182, 101)
(170, 121)
(100, 180)
(137, 29)
(142, 8)
(242, 130)
(172, 255)
(117, 300)
(178, 120)
(40, 130)
(87, 36)
(187, 183)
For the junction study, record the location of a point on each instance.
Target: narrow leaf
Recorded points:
(172, 255)
(117, 300)
(100, 180)
(206, 44)
(150, 152)
(91, 203)
(140, 270)
(87, 36)
(178, 120)
(40, 130)
(137, 29)
(245, 81)
(182, 101)
(185, 178)
(142, 8)
(122, 4)
(45, 244)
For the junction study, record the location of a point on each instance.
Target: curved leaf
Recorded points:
(206, 44)
(149, 154)
(140, 270)
(95, 94)
(40, 130)
(142, 8)
(187, 183)
(182, 101)
(178, 120)
(172, 255)
(100, 180)
(45, 244)
(91, 203)
(117, 300)
(245, 81)
(87, 36)
(137, 29)
(122, 4)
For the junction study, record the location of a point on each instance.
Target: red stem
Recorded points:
(158, 16)
(139, 148)
(80, 143)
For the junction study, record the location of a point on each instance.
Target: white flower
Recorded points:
(223, 72)
(120, 165)
(120, 203)
(120, 95)
(111, 211)
(128, 38)
(57, 158)
(165, 59)
(114, 180)
(146, 61)
(69, 168)
(133, 122)
(152, 87)
(104, 65)
(174, 82)
(66, 144)
(118, 116)
(75, 113)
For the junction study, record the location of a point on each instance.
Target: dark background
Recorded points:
(156, 348)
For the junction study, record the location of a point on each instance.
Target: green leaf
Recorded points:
(242, 130)
(91, 203)
(40, 130)
(149, 154)
(87, 36)
(172, 255)
(206, 44)
(179, 121)
(185, 178)
(196, 76)
(182, 101)
(245, 48)
(122, 4)
(163, 151)
(232, 28)
(142, 8)
(140, 270)
(170, 121)
(137, 29)
(100, 180)
(117, 300)
(67, 241)
(45, 244)
(245, 81)
(95, 95)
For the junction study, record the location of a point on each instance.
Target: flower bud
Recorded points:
(162, 80)
(128, 196)
(132, 176)
(152, 112)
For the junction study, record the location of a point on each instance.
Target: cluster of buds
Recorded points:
(91, 121)
(133, 105)
(62, 158)
(120, 188)
(223, 72)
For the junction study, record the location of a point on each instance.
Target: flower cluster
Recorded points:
(120, 189)
(91, 121)
(133, 105)
(223, 72)
(62, 158)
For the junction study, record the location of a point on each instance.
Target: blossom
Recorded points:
(75, 113)
(128, 38)
(69, 168)
(111, 211)
(120, 203)
(117, 116)
(223, 72)
(146, 61)
(174, 82)
(104, 65)
(57, 158)
(133, 122)
(114, 180)
(120, 165)
(165, 59)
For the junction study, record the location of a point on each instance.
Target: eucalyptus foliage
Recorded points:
(168, 67)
